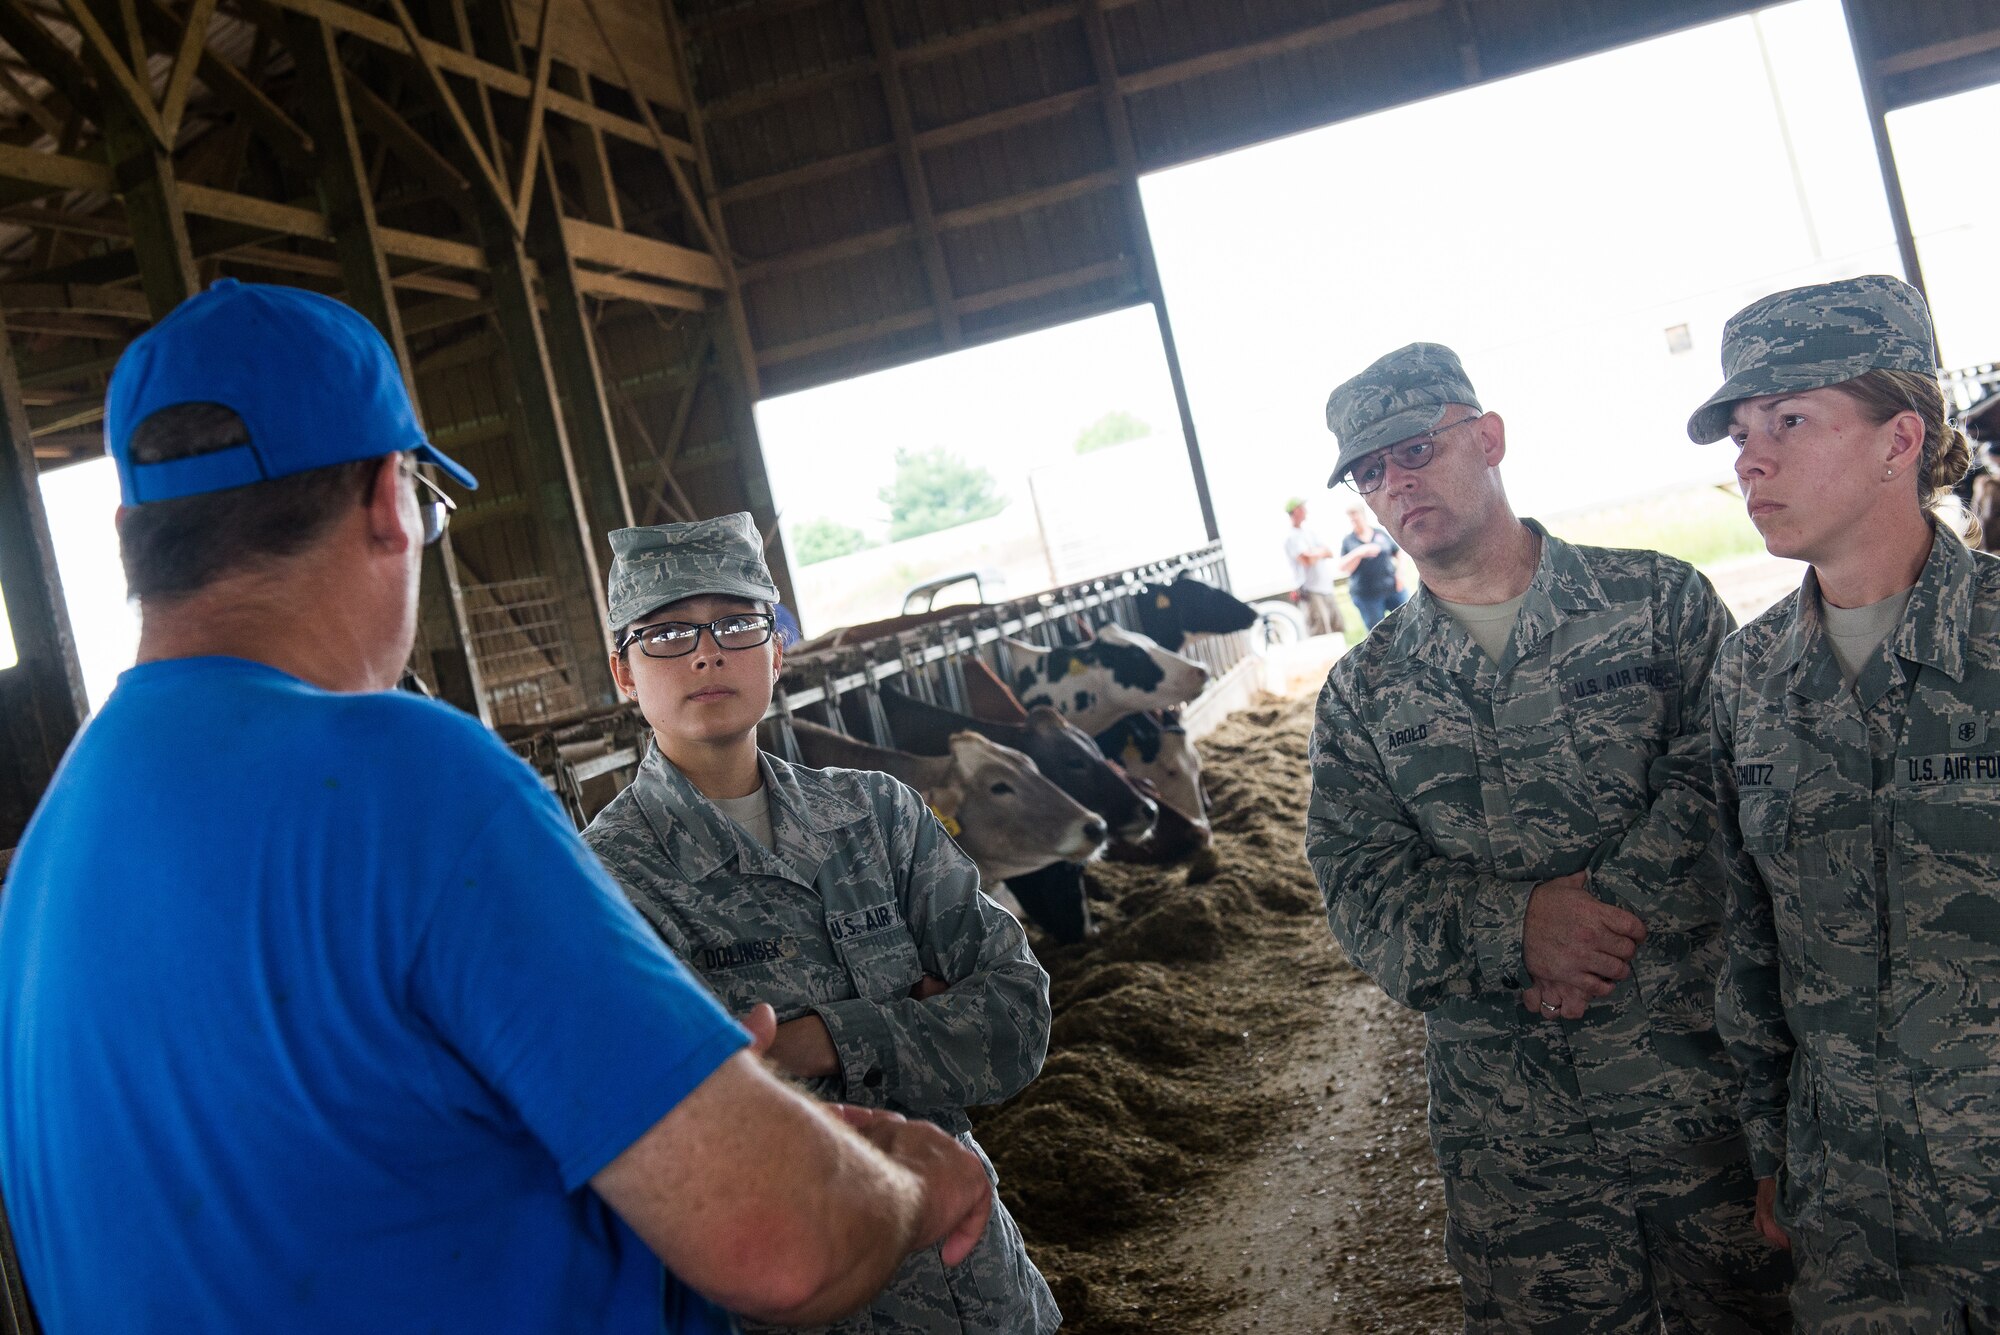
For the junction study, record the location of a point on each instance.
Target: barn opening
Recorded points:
(1578, 234)
(1022, 464)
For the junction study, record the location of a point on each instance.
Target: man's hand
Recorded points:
(800, 1048)
(929, 986)
(1553, 1001)
(1572, 938)
(958, 1199)
(1767, 1214)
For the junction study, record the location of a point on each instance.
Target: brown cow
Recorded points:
(997, 806)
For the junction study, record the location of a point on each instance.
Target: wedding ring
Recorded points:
(1549, 1008)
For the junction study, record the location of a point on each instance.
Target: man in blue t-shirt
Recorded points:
(316, 1014)
(1368, 559)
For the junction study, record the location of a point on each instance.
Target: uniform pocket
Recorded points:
(1961, 1148)
(884, 966)
(1765, 820)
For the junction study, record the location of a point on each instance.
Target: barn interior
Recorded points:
(597, 232)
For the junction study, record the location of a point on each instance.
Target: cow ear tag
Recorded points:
(1161, 601)
(1077, 667)
(950, 826)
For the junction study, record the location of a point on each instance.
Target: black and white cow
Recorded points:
(1155, 747)
(1097, 683)
(1169, 613)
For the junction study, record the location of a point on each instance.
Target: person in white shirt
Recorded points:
(1314, 570)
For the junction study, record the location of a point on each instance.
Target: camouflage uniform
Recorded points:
(1595, 1177)
(1861, 832)
(863, 895)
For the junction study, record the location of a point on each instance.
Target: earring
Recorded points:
(1888, 475)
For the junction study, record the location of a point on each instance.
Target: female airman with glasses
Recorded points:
(834, 896)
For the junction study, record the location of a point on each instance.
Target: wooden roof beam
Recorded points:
(916, 185)
(45, 55)
(883, 238)
(1320, 34)
(627, 251)
(232, 87)
(389, 36)
(1938, 53)
(1026, 290)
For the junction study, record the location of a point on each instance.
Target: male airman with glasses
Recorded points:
(1510, 823)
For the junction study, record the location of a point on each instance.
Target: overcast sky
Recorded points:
(1552, 228)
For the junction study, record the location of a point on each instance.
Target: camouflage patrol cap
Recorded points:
(1812, 337)
(664, 563)
(1399, 396)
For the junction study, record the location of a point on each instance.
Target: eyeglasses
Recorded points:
(436, 508)
(1372, 471)
(677, 639)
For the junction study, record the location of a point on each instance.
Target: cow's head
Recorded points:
(1065, 754)
(1135, 662)
(1011, 820)
(1159, 751)
(1207, 610)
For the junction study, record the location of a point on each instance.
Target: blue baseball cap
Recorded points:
(314, 382)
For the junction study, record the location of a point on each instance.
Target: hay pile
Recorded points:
(1198, 973)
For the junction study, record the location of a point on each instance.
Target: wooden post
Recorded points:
(736, 361)
(573, 361)
(342, 179)
(555, 483)
(1106, 65)
(916, 184)
(142, 167)
(42, 703)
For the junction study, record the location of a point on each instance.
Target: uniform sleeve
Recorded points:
(1749, 1006)
(1423, 926)
(982, 1040)
(1673, 839)
(537, 975)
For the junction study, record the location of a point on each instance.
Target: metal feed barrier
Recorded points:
(837, 687)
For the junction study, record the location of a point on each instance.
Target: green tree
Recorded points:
(1114, 428)
(935, 489)
(823, 539)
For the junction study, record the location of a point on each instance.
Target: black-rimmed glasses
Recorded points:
(675, 639)
(436, 508)
(1368, 474)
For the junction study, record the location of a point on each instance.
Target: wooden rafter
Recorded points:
(453, 60)
(640, 254)
(180, 81)
(1938, 53)
(115, 72)
(697, 214)
(416, 151)
(614, 287)
(538, 105)
(916, 183)
(972, 215)
(237, 90)
(36, 111)
(44, 54)
(743, 370)
(975, 303)
(447, 102)
(586, 153)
